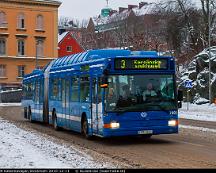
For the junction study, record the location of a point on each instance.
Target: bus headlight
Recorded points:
(112, 125)
(172, 123)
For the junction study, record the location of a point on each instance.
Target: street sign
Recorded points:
(188, 84)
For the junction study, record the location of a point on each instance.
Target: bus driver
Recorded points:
(149, 91)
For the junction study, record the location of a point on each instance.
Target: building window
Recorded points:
(40, 22)
(21, 21)
(2, 46)
(69, 48)
(21, 71)
(40, 48)
(21, 47)
(2, 70)
(3, 21)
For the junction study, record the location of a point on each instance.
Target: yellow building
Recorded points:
(28, 29)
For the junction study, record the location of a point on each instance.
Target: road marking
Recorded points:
(198, 128)
(198, 145)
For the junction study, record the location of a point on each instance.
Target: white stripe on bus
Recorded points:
(36, 111)
(68, 117)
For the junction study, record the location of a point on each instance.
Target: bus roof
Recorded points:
(91, 56)
(99, 54)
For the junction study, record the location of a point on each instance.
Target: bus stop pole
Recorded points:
(187, 99)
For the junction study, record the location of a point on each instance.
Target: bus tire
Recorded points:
(30, 115)
(25, 112)
(85, 128)
(55, 125)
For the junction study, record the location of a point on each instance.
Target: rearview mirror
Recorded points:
(104, 81)
(179, 104)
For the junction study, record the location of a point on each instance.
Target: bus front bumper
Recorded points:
(140, 131)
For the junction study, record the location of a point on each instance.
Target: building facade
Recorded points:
(28, 36)
(136, 27)
(68, 44)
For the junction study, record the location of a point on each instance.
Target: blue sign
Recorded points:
(188, 84)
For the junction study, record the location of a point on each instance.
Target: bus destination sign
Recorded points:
(140, 64)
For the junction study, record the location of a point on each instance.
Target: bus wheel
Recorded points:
(85, 128)
(55, 125)
(25, 112)
(30, 115)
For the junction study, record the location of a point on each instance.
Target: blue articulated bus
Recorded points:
(105, 93)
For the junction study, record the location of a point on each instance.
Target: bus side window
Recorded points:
(75, 89)
(55, 91)
(100, 90)
(41, 92)
(84, 89)
(94, 91)
(37, 90)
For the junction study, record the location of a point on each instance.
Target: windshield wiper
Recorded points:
(121, 110)
(130, 109)
(162, 108)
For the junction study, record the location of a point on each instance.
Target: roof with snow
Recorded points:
(61, 37)
(50, 1)
(118, 16)
(47, 2)
(206, 52)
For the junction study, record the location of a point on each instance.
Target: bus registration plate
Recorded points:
(145, 132)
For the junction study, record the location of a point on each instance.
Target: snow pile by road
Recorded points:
(203, 112)
(203, 129)
(23, 149)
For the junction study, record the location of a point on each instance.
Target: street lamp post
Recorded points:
(209, 42)
(36, 65)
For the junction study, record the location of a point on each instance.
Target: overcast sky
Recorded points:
(84, 9)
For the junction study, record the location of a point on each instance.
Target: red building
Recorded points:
(68, 44)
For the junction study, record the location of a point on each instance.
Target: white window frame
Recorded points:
(69, 50)
(21, 21)
(2, 46)
(3, 20)
(3, 70)
(21, 48)
(21, 71)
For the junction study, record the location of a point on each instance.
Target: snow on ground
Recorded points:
(203, 112)
(198, 128)
(24, 149)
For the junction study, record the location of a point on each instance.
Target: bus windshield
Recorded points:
(140, 93)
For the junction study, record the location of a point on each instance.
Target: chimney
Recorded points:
(141, 4)
(121, 9)
(130, 7)
(112, 12)
(61, 30)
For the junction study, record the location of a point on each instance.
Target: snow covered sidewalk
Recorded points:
(203, 112)
(23, 149)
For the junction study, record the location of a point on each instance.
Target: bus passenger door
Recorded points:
(37, 111)
(67, 104)
(63, 104)
(96, 106)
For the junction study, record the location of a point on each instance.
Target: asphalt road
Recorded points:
(188, 149)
